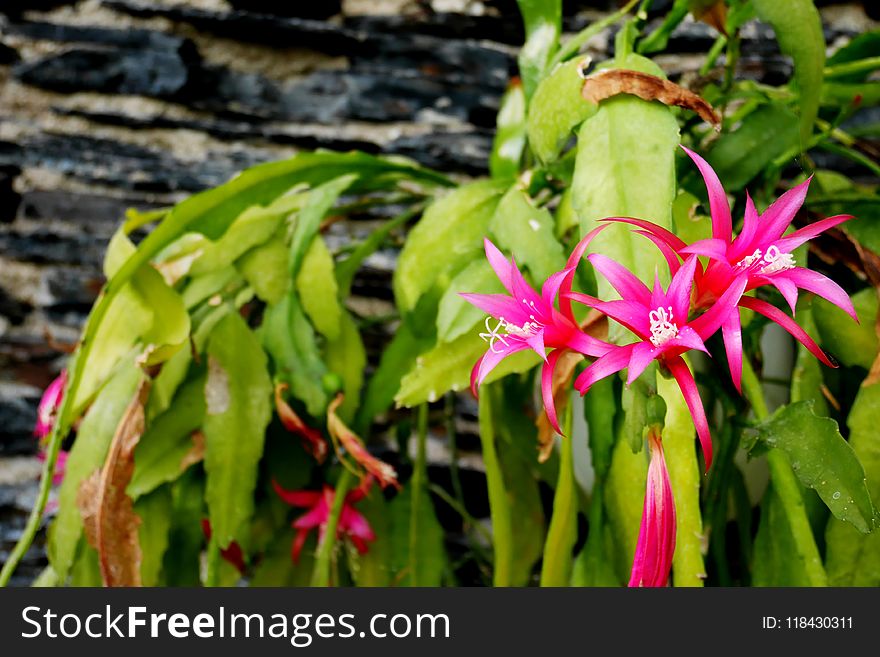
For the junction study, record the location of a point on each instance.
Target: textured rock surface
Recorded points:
(108, 104)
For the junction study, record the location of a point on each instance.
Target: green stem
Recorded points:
(323, 558)
(417, 485)
(460, 509)
(848, 68)
(684, 474)
(787, 487)
(573, 45)
(712, 55)
(557, 565)
(499, 504)
(34, 520)
(212, 564)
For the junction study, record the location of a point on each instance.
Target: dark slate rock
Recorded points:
(9, 198)
(17, 418)
(312, 10)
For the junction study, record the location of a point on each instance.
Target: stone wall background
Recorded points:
(110, 104)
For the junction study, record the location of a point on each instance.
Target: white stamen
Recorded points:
(748, 261)
(776, 261)
(524, 332)
(663, 329)
(492, 334)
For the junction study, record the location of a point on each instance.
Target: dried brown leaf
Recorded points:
(605, 84)
(312, 440)
(111, 525)
(383, 472)
(713, 15)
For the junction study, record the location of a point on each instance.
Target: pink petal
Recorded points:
(551, 286)
(498, 306)
(613, 361)
(49, 403)
(781, 213)
(710, 321)
(711, 248)
(490, 360)
(627, 285)
(731, 332)
(355, 524)
(689, 339)
(679, 292)
(656, 543)
(536, 342)
(643, 354)
(630, 314)
(743, 242)
(668, 252)
(300, 498)
(500, 265)
(773, 313)
(790, 242)
(587, 344)
(691, 395)
(813, 281)
(547, 389)
(315, 517)
(671, 239)
(719, 208)
(787, 289)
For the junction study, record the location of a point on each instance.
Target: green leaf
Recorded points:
(456, 316)
(87, 455)
(562, 533)
(762, 136)
(266, 268)
(510, 133)
(203, 287)
(557, 108)
(624, 494)
(347, 358)
(290, 341)
(237, 394)
(253, 227)
(626, 167)
(448, 237)
(776, 560)
(798, 28)
(526, 511)
(543, 24)
(850, 343)
(853, 559)
(318, 204)
(431, 557)
(154, 511)
(659, 38)
(159, 455)
(316, 285)
(822, 460)
(527, 231)
(166, 383)
(448, 366)
(806, 379)
(398, 358)
(185, 538)
(277, 569)
(374, 567)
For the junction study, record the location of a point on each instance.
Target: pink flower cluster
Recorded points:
(700, 300)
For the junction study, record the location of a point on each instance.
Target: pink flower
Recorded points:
(660, 321)
(528, 320)
(351, 523)
(656, 544)
(48, 407)
(760, 252)
(49, 404)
